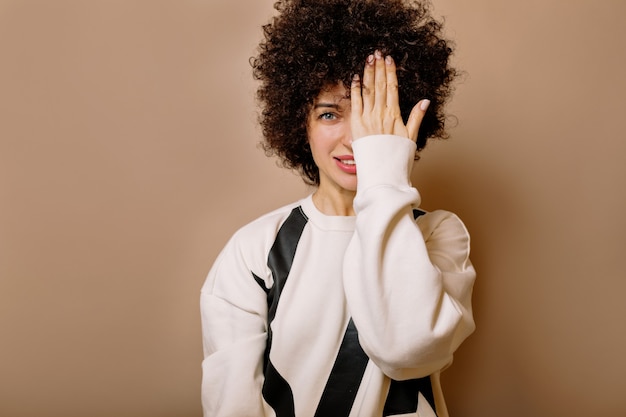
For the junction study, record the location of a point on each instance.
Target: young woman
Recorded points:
(351, 301)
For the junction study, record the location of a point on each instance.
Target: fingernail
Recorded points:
(388, 60)
(424, 104)
(355, 78)
(378, 54)
(370, 59)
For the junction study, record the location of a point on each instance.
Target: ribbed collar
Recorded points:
(324, 221)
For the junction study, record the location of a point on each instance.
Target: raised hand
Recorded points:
(375, 103)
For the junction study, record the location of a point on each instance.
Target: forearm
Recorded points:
(410, 312)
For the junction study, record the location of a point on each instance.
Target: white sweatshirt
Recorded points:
(358, 314)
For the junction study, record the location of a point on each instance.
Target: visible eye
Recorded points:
(327, 116)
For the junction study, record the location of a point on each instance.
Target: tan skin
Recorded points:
(335, 122)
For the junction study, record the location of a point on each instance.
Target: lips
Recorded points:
(346, 163)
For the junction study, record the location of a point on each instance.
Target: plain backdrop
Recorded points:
(128, 156)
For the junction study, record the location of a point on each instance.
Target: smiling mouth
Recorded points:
(346, 161)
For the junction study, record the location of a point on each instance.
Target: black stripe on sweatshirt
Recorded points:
(281, 256)
(277, 393)
(403, 396)
(276, 389)
(417, 213)
(345, 377)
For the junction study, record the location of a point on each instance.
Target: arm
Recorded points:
(234, 313)
(408, 284)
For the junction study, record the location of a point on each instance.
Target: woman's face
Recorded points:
(330, 139)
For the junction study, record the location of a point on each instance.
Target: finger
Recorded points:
(393, 101)
(367, 86)
(416, 117)
(356, 101)
(380, 79)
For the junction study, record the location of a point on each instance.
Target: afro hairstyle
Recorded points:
(313, 44)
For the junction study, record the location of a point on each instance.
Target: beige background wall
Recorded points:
(128, 157)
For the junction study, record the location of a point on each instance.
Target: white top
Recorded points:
(403, 283)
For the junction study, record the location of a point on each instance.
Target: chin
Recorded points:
(349, 186)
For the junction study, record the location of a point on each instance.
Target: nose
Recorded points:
(347, 137)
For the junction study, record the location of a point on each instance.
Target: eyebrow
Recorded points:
(332, 105)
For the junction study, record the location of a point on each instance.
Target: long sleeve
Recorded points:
(408, 284)
(234, 313)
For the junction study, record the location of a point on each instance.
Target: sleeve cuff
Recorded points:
(384, 160)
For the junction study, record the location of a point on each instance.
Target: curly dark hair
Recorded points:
(313, 44)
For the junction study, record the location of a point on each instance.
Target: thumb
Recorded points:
(416, 117)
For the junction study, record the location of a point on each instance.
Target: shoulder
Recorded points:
(247, 250)
(264, 227)
(446, 234)
(252, 243)
(440, 221)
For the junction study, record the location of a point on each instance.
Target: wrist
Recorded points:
(383, 160)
